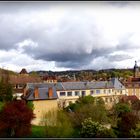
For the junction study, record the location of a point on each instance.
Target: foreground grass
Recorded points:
(37, 132)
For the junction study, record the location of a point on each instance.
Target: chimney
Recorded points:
(50, 92)
(24, 91)
(36, 93)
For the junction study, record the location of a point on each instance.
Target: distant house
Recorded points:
(49, 79)
(133, 84)
(19, 82)
(43, 98)
(23, 72)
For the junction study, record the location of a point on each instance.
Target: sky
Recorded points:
(62, 35)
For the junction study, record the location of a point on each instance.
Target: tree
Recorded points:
(136, 107)
(121, 108)
(30, 105)
(57, 124)
(1, 105)
(85, 107)
(6, 91)
(127, 122)
(81, 102)
(15, 119)
(86, 100)
(92, 129)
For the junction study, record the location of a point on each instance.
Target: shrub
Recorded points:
(127, 122)
(92, 129)
(15, 119)
(60, 126)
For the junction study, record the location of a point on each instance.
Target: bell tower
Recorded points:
(136, 70)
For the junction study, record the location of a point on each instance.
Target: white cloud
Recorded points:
(69, 35)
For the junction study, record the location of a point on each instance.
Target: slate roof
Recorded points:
(43, 94)
(85, 85)
(60, 86)
(113, 83)
(117, 84)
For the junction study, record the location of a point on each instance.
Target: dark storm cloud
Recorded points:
(73, 40)
(120, 4)
(20, 6)
(118, 57)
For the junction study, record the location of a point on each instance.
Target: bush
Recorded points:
(92, 129)
(96, 112)
(127, 122)
(37, 132)
(1, 105)
(15, 119)
(60, 126)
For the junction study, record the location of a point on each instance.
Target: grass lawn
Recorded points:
(37, 132)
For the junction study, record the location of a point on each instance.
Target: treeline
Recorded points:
(88, 75)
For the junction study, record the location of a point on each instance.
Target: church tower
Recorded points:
(136, 70)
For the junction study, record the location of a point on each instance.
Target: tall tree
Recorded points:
(6, 91)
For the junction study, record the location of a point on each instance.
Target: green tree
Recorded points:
(1, 105)
(86, 100)
(92, 129)
(81, 102)
(121, 108)
(85, 107)
(6, 91)
(57, 124)
(30, 105)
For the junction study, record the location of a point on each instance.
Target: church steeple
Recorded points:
(136, 70)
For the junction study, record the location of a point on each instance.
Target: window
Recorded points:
(91, 92)
(69, 93)
(97, 91)
(83, 93)
(104, 91)
(62, 93)
(77, 93)
(20, 86)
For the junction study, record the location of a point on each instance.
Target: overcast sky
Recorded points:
(69, 35)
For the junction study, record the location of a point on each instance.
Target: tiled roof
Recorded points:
(43, 94)
(21, 79)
